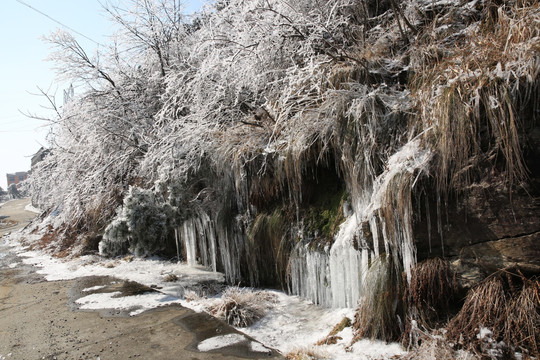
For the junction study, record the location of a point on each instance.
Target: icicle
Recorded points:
(309, 275)
(345, 265)
(190, 242)
(177, 245)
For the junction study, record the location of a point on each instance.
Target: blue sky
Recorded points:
(23, 68)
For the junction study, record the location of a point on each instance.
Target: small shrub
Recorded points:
(142, 226)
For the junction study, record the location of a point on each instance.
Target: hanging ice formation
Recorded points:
(334, 277)
(379, 222)
(201, 239)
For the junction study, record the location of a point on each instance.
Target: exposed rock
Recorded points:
(488, 230)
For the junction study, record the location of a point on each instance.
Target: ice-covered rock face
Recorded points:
(335, 276)
(331, 275)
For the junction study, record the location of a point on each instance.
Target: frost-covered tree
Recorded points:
(141, 226)
(13, 192)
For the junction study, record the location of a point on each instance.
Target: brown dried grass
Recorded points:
(242, 307)
(472, 97)
(506, 303)
(380, 314)
(307, 354)
(432, 291)
(436, 347)
(332, 337)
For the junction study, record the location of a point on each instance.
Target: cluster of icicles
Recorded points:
(334, 276)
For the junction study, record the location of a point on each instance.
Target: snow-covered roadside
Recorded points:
(33, 209)
(291, 324)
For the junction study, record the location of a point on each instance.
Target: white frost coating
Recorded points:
(398, 177)
(30, 208)
(219, 342)
(484, 332)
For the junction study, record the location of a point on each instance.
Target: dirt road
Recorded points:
(14, 214)
(37, 321)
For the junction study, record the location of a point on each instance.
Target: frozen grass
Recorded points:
(435, 347)
(307, 354)
(379, 315)
(242, 307)
(474, 97)
(332, 336)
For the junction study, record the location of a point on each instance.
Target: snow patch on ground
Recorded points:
(291, 324)
(218, 342)
(94, 288)
(30, 208)
(135, 304)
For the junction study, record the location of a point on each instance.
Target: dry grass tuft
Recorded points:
(474, 99)
(435, 347)
(332, 337)
(508, 305)
(242, 307)
(170, 278)
(523, 319)
(380, 314)
(432, 291)
(307, 354)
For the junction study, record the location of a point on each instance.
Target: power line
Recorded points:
(58, 22)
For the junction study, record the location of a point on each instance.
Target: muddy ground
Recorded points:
(39, 320)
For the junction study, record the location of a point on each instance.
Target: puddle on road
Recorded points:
(11, 266)
(106, 284)
(206, 328)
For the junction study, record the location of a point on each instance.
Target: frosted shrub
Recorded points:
(142, 226)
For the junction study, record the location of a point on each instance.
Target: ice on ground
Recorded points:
(94, 288)
(292, 323)
(136, 304)
(221, 341)
(258, 347)
(30, 208)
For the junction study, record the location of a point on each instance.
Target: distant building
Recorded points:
(39, 156)
(16, 178)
